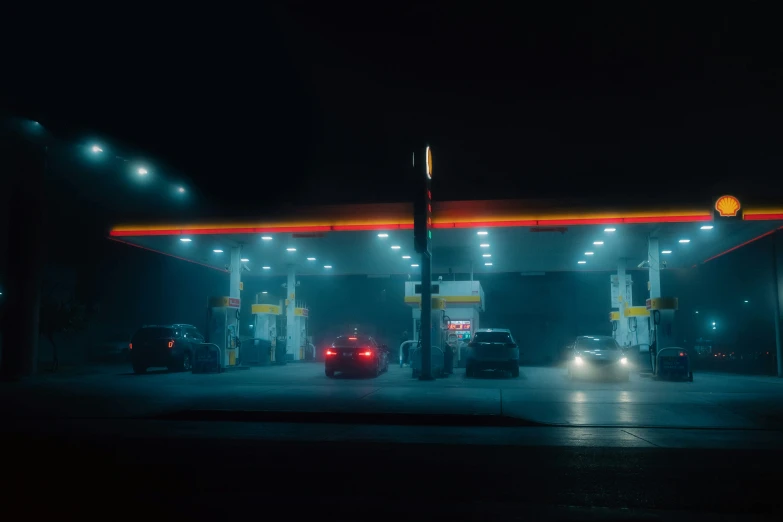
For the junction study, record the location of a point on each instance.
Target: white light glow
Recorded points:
(396, 247)
(624, 360)
(609, 229)
(327, 266)
(746, 300)
(666, 251)
(266, 238)
(264, 292)
(96, 149)
(598, 242)
(578, 360)
(588, 253)
(218, 251)
(484, 245)
(486, 255)
(311, 259)
(685, 240)
(291, 249)
(406, 257)
(181, 190)
(142, 171)
(581, 262)
(481, 233)
(706, 227)
(383, 235)
(245, 260)
(266, 267)
(414, 265)
(185, 239)
(487, 264)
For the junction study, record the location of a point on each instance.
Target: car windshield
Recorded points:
(596, 343)
(492, 337)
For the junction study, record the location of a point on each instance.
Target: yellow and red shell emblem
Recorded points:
(727, 206)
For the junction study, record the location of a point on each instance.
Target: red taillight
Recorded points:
(683, 354)
(130, 346)
(366, 353)
(331, 352)
(352, 338)
(171, 344)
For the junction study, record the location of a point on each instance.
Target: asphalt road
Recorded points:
(538, 396)
(170, 444)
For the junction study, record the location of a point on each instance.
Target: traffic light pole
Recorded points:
(426, 317)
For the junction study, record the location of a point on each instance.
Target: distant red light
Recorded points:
(171, 344)
(683, 354)
(331, 352)
(130, 346)
(366, 353)
(352, 338)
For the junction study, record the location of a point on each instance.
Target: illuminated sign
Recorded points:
(459, 325)
(727, 206)
(429, 163)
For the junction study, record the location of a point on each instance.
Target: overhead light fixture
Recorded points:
(484, 245)
(264, 292)
(406, 257)
(311, 259)
(589, 253)
(746, 300)
(610, 229)
(291, 249)
(598, 242)
(383, 235)
(266, 238)
(245, 260)
(266, 267)
(217, 251)
(482, 233)
(185, 239)
(96, 149)
(685, 240)
(486, 255)
(487, 264)
(142, 171)
(706, 227)
(414, 265)
(395, 247)
(181, 190)
(697, 311)
(666, 251)
(327, 266)
(582, 262)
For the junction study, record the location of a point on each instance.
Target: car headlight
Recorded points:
(578, 360)
(624, 360)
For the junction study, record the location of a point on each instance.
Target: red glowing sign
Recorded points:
(459, 325)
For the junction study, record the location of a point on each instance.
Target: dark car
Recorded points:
(356, 354)
(492, 349)
(171, 346)
(598, 356)
(673, 363)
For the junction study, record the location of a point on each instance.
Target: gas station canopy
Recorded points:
(482, 236)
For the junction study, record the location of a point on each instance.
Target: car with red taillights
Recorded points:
(171, 346)
(356, 354)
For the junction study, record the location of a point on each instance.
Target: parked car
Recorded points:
(171, 346)
(492, 349)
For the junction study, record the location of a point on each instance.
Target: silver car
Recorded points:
(492, 349)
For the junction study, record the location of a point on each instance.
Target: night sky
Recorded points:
(317, 103)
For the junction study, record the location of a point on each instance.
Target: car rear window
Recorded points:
(146, 334)
(492, 337)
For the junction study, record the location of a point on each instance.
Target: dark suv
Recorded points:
(171, 346)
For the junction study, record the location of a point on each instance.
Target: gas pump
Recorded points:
(661, 335)
(223, 328)
(439, 339)
(265, 328)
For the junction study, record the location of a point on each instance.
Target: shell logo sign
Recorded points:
(727, 206)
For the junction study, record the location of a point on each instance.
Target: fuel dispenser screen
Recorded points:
(461, 329)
